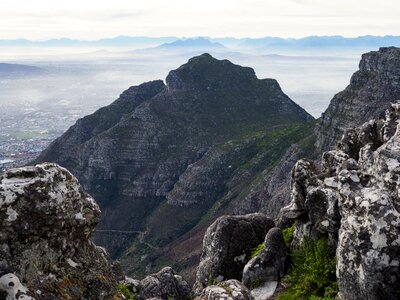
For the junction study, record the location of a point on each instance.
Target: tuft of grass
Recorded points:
(288, 235)
(211, 280)
(125, 292)
(312, 274)
(257, 250)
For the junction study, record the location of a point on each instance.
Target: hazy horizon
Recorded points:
(199, 36)
(46, 19)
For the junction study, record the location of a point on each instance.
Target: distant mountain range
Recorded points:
(192, 43)
(194, 46)
(274, 42)
(9, 69)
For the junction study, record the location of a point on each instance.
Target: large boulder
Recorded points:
(269, 264)
(165, 285)
(46, 220)
(354, 200)
(230, 290)
(227, 247)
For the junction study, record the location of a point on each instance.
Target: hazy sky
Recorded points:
(87, 19)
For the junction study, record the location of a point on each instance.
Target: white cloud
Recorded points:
(87, 19)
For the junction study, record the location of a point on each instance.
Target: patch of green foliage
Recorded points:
(288, 235)
(312, 274)
(211, 280)
(257, 250)
(125, 292)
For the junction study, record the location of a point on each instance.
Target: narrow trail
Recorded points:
(141, 235)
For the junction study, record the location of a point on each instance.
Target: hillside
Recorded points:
(163, 160)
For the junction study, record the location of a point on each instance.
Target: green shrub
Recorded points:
(288, 235)
(257, 250)
(312, 274)
(125, 292)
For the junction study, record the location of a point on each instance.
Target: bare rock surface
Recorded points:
(46, 220)
(228, 290)
(165, 285)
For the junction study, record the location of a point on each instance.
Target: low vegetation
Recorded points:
(288, 235)
(123, 288)
(312, 273)
(257, 250)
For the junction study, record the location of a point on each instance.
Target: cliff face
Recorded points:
(372, 88)
(165, 159)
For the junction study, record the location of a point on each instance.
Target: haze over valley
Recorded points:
(46, 86)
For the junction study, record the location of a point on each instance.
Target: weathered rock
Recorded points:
(165, 285)
(12, 288)
(269, 264)
(355, 201)
(228, 290)
(46, 220)
(227, 247)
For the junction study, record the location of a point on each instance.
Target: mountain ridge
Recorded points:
(211, 113)
(213, 140)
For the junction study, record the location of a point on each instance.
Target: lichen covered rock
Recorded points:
(354, 200)
(227, 290)
(227, 247)
(46, 220)
(165, 284)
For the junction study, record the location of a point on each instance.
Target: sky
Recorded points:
(90, 20)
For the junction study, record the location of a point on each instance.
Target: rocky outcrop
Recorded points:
(354, 199)
(46, 220)
(371, 90)
(269, 264)
(190, 149)
(227, 247)
(165, 285)
(231, 290)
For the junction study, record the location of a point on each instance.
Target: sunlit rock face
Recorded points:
(354, 200)
(46, 220)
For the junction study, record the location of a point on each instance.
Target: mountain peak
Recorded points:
(206, 72)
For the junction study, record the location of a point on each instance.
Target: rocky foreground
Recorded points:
(351, 199)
